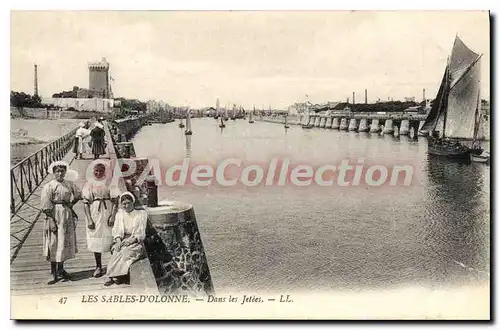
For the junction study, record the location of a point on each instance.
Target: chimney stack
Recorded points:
(36, 80)
(423, 94)
(353, 98)
(366, 96)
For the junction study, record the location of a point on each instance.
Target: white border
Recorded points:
(197, 5)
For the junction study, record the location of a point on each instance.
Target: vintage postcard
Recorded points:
(250, 165)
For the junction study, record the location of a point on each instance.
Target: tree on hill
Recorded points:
(132, 104)
(21, 100)
(67, 94)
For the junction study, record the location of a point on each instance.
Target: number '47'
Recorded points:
(63, 300)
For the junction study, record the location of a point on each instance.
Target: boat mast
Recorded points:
(447, 93)
(477, 120)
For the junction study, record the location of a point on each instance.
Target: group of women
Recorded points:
(112, 224)
(97, 143)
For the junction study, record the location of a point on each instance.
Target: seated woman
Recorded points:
(129, 231)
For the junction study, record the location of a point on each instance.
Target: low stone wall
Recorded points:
(129, 126)
(42, 113)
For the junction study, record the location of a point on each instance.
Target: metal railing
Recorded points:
(28, 174)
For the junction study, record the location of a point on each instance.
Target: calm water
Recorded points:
(432, 233)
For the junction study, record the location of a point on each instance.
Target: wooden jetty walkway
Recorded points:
(30, 271)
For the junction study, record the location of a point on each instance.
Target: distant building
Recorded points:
(410, 99)
(99, 85)
(80, 104)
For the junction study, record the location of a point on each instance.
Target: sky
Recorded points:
(249, 58)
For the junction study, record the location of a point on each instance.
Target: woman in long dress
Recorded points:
(98, 141)
(100, 206)
(80, 136)
(129, 232)
(59, 237)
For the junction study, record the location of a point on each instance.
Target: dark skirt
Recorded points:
(98, 147)
(75, 146)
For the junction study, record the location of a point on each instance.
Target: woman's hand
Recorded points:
(116, 248)
(129, 241)
(90, 224)
(52, 225)
(111, 221)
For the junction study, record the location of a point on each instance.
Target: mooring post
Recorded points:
(152, 192)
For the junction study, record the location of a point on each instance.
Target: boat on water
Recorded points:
(286, 122)
(188, 130)
(307, 125)
(452, 119)
(217, 110)
(181, 124)
(222, 125)
(250, 118)
(484, 157)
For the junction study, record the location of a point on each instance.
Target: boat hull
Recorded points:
(449, 152)
(479, 159)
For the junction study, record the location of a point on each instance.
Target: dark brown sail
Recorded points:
(437, 106)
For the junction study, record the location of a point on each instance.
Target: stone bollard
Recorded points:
(363, 125)
(353, 125)
(405, 127)
(374, 128)
(318, 121)
(176, 251)
(343, 124)
(335, 123)
(329, 122)
(388, 127)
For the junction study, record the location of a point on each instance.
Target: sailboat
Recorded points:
(307, 125)
(250, 118)
(455, 108)
(217, 110)
(286, 122)
(477, 154)
(226, 116)
(233, 113)
(181, 125)
(188, 124)
(222, 125)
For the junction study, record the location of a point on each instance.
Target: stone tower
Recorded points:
(99, 79)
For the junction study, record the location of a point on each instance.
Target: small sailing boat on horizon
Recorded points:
(222, 125)
(455, 109)
(188, 130)
(226, 116)
(217, 110)
(286, 122)
(250, 116)
(233, 113)
(306, 120)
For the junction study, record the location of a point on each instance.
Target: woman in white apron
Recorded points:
(100, 206)
(59, 236)
(80, 137)
(129, 232)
